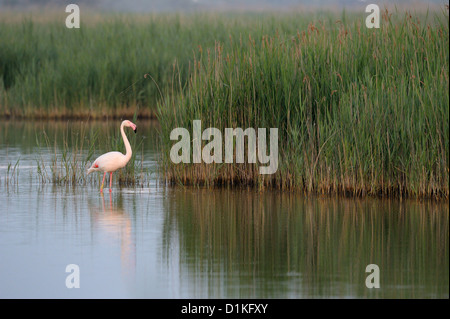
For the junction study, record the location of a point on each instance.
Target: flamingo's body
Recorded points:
(112, 161)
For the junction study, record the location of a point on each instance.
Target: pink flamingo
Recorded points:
(112, 161)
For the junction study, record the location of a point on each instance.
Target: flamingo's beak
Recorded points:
(134, 127)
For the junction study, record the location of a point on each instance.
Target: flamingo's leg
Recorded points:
(103, 180)
(110, 182)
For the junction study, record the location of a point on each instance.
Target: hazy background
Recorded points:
(193, 5)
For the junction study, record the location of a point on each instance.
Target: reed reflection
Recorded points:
(247, 244)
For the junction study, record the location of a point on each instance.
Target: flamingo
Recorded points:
(112, 161)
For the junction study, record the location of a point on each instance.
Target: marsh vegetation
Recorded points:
(359, 111)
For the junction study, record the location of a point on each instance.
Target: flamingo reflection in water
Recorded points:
(117, 224)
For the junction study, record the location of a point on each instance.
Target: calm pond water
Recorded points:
(155, 241)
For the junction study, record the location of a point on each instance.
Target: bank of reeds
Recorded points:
(359, 111)
(97, 71)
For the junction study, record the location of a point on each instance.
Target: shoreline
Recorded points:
(284, 182)
(81, 114)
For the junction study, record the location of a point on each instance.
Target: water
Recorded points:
(155, 241)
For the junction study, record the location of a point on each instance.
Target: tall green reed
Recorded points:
(47, 70)
(359, 111)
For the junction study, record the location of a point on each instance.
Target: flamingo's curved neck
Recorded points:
(127, 144)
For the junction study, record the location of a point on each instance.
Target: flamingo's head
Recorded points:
(130, 124)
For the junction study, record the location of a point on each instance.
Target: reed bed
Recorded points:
(97, 71)
(359, 111)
